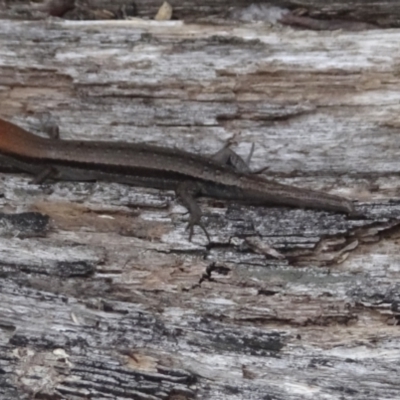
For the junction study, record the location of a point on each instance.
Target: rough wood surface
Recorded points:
(306, 13)
(102, 296)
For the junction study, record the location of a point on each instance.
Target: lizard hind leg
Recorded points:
(186, 192)
(226, 156)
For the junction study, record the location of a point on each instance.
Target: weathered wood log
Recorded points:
(102, 296)
(339, 13)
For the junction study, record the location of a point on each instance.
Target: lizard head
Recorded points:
(16, 140)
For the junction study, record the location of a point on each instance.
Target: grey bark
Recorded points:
(102, 296)
(345, 13)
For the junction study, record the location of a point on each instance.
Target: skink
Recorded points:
(188, 174)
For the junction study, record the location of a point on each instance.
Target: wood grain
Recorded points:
(102, 296)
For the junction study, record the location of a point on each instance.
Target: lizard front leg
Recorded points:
(52, 130)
